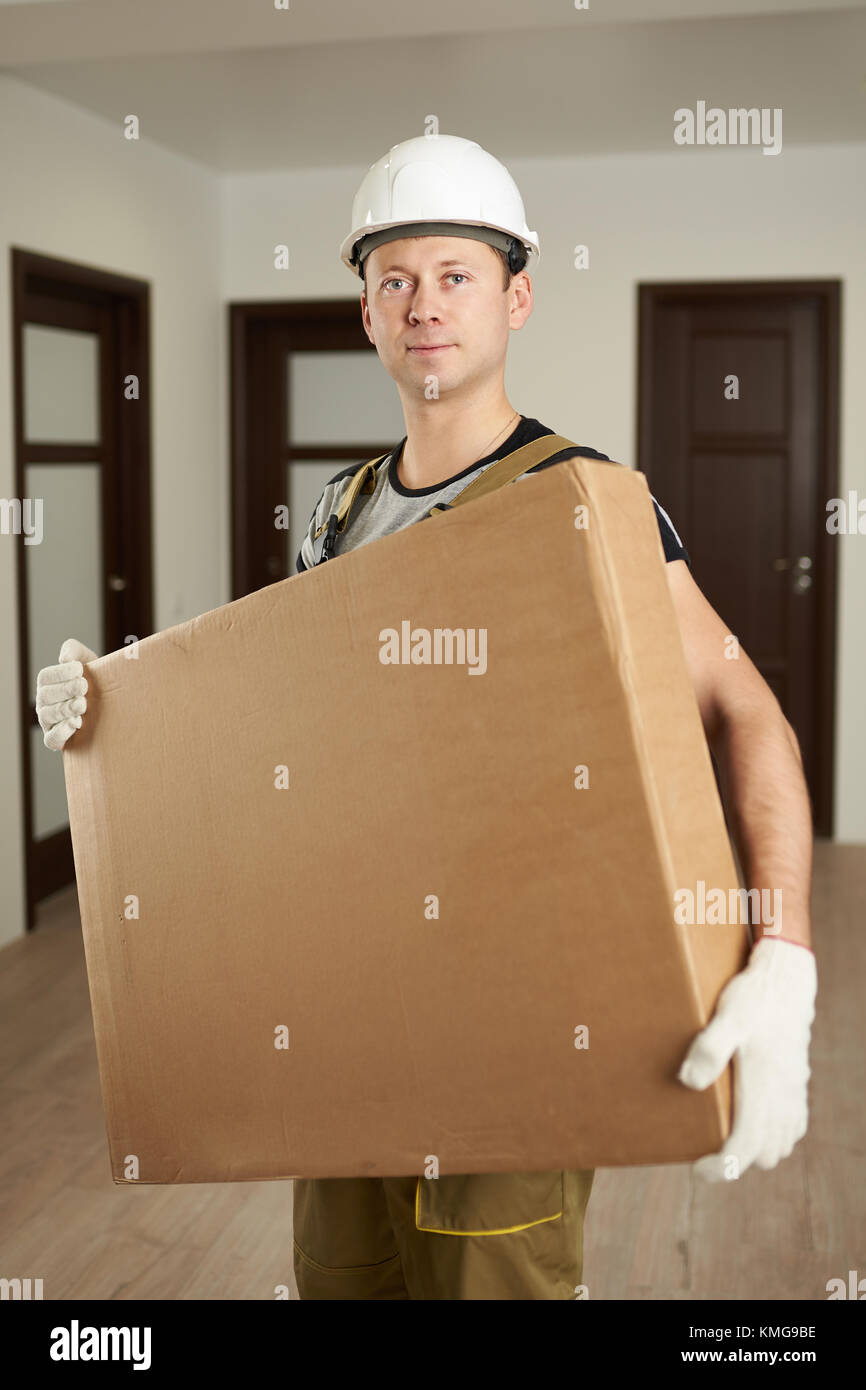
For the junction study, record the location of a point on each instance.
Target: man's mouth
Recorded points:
(429, 350)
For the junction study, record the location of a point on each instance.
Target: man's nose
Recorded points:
(425, 313)
(425, 304)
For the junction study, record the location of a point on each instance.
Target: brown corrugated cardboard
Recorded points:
(431, 909)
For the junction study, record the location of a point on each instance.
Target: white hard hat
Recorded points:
(433, 180)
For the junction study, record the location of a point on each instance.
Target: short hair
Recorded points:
(503, 256)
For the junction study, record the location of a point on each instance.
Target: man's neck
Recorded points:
(442, 440)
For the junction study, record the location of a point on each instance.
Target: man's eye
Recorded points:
(399, 280)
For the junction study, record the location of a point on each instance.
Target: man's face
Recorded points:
(444, 294)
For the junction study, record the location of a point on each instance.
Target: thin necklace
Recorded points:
(514, 417)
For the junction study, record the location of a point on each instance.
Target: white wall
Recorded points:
(715, 214)
(73, 187)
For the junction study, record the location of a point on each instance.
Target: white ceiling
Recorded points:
(242, 86)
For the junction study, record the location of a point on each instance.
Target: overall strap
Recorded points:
(363, 481)
(507, 469)
(504, 470)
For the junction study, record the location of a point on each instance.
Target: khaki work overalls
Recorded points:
(461, 1236)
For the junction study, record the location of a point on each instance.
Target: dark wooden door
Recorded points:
(308, 397)
(738, 406)
(82, 443)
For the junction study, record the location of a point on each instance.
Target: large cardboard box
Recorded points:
(343, 914)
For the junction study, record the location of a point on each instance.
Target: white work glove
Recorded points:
(60, 693)
(763, 1019)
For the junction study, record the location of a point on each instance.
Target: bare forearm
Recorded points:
(767, 804)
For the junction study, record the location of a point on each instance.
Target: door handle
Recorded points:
(116, 582)
(800, 566)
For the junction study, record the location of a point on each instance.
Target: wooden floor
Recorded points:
(651, 1233)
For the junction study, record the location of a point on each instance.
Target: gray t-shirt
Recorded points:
(391, 506)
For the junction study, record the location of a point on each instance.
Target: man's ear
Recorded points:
(365, 316)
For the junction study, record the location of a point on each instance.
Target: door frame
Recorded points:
(125, 432)
(653, 295)
(259, 332)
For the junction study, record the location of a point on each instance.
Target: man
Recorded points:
(440, 240)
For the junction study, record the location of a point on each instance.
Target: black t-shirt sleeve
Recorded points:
(671, 542)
